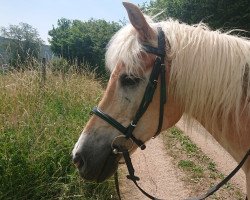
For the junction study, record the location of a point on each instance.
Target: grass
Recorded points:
(200, 171)
(39, 126)
(190, 166)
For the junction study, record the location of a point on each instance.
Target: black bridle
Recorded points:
(158, 72)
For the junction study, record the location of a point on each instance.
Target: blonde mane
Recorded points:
(207, 68)
(124, 47)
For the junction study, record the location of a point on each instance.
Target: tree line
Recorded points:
(218, 14)
(21, 44)
(84, 42)
(77, 42)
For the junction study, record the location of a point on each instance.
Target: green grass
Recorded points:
(39, 126)
(189, 165)
(187, 145)
(195, 161)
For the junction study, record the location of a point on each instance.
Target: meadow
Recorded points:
(39, 125)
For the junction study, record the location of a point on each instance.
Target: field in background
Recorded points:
(39, 126)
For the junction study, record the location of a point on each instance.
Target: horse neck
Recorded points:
(206, 73)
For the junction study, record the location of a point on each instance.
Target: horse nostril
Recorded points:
(78, 161)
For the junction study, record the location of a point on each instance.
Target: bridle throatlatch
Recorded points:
(158, 72)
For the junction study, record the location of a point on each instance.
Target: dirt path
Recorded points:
(158, 175)
(225, 163)
(161, 178)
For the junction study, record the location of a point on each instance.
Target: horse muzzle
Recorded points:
(94, 157)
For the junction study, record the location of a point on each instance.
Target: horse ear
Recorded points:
(139, 22)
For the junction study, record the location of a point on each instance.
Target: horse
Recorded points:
(207, 77)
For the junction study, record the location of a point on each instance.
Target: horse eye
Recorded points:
(127, 80)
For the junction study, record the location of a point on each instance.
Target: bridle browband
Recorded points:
(158, 72)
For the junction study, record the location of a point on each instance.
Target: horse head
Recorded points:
(131, 66)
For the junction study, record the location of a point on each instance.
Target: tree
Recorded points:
(82, 41)
(22, 44)
(226, 14)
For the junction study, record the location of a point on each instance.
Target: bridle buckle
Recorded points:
(121, 144)
(132, 124)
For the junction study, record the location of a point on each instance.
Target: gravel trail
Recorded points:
(158, 175)
(160, 178)
(224, 161)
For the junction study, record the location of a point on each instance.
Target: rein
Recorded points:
(209, 192)
(158, 72)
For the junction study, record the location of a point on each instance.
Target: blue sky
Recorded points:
(42, 14)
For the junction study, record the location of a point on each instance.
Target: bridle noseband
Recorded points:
(157, 71)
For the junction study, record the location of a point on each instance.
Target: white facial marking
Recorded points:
(80, 141)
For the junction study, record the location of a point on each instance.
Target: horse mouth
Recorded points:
(102, 172)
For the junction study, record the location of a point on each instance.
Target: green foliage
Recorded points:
(22, 45)
(185, 141)
(226, 14)
(59, 65)
(81, 42)
(39, 127)
(189, 165)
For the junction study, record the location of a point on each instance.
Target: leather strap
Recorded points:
(163, 100)
(132, 176)
(211, 191)
(116, 179)
(97, 111)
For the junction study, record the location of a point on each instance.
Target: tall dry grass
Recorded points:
(39, 125)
